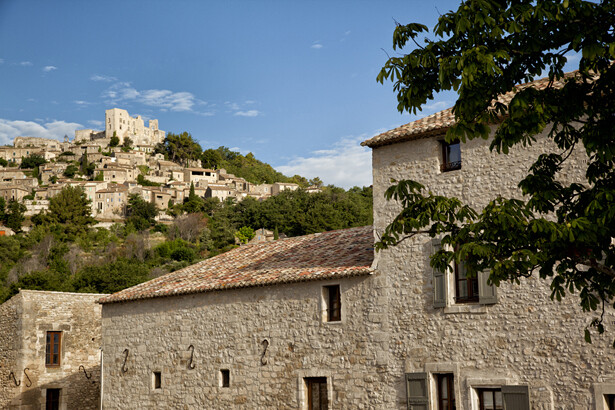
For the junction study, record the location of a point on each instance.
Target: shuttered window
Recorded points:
(487, 294)
(439, 283)
(516, 397)
(52, 348)
(416, 391)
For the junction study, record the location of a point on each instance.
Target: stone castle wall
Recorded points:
(77, 316)
(523, 339)
(227, 329)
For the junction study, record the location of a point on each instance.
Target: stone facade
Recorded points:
(298, 345)
(25, 320)
(118, 121)
(524, 338)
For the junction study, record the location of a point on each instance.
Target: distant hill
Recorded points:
(246, 167)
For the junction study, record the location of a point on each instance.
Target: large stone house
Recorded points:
(50, 351)
(271, 325)
(321, 322)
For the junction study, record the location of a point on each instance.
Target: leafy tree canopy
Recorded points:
(140, 213)
(180, 148)
(32, 161)
(482, 50)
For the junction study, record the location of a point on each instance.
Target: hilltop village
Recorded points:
(113, 164)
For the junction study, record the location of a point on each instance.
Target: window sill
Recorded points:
(465, 308)
(333, 322)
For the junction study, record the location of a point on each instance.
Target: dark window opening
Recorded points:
(466, 288)
(157, 380)
(490, 399)
(451, 156)
(52, 401)
(225, 377)
(199, 173)
(317, 393)
(333, 303)
(610, 401)
(53, 348)
(446, 391)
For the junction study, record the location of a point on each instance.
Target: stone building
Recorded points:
(300, 316)
(241, 330)
(50, 351)
(463, 339)
(118, 121)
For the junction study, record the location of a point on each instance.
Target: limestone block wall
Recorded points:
(9, 346)
(77, 316)
(228, 329)
(523, 339)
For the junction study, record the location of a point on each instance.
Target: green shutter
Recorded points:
(516, 397)
(416, 390)
(439, 283)
(487, 294)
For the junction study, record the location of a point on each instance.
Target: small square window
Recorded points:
(332, 298)
(157, 380)
(225, 378)
(451, 156)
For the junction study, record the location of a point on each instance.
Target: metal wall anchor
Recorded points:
(124, 369)
(191, 365)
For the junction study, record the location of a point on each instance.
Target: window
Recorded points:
(316, 388)
(332, 303)
(52, 401)
(53, 349)
(490, 399)
(225, 378)
(445, 387)
(157, 379)
(463, 289)
(451, 156)
(610, 401)
(466, 287)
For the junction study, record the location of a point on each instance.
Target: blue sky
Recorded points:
(293, 82)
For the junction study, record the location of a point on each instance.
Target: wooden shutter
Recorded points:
(487, 294)
(416, 390)
(516, 397)
(439, 283)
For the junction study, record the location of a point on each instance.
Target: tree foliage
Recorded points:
(71, 209)
(140, 213)
(32, 161)
(481, 51)
(247, 167)
(180, 148)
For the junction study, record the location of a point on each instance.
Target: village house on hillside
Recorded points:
(50, 351)
(321, 322)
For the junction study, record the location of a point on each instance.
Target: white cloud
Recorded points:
(82, 103)
(96, 123)
(316, 46)
(104, 78)
(249, 113)
(436, 106)
(164, 99)
(54, 129)
(346, 164)
(49, 68)
(25, 63)
(241, 151)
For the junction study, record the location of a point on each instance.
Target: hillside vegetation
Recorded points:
(64, 252)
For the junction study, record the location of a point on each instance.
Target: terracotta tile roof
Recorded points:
(334, 254)
(440, 122)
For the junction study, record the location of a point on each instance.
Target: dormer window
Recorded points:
(451, 156)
